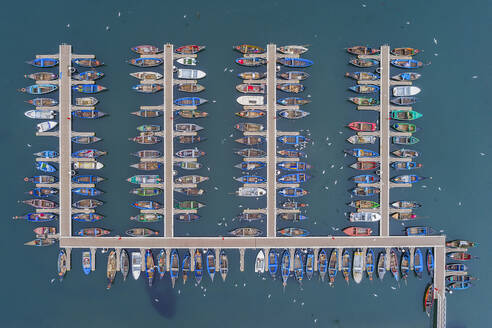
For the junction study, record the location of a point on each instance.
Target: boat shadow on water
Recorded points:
(162, 296)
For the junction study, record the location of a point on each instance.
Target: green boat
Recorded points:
(404, 140)
(364, 101)
(405, 115)
(147, 217)
(405, 127)
(188, 205)
(146, 191)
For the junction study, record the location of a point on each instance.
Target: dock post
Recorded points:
(387, 258)
(118, 264)
(168, 259)
(267, 258)
(142, 253)
(68, 251)
(241, 259)
(339, 255)
(292, 252)
(93, 259)
(316, 251)
(412, 258)
(192, 259)
(217, 259)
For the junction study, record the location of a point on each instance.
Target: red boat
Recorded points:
(357, 231)
(92, 232)
(362, 126)
(189, 49)
(429, 299)
(460, 256)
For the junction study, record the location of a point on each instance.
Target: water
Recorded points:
(455, 120)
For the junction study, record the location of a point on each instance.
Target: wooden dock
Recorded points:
(271, 160)
(168, 143)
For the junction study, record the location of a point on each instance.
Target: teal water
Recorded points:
(453, 135)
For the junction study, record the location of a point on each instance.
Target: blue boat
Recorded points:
(292, 192)
(285, 267)
(86, 217)
(37, 217)
(84, 191)
(210, 264)
(293, 232)
(418, 266)
(189, 101)
(409, 178)
(456, 267)
(430, 262)
(88, 76)
(405, 165)
(149, 266)
(295, 62)
(310, 264)
(43, 62)
(86, 263)
(47, 154)
(298, 265)
(406, 63)
(418, 231)
(365, 178)
(39, 89)
(294, 166)
(359, 152)
(459, 285)
(364, 88)
(146, 62)
(45, 167)
(322, 264)
(88, 113)
(293, 101)
(405, 265)
(43, 192)
(198, 266)
(88, 88)
(273, 263)
(87, 62)
(250, 61)
(370, 263)
(292, 140)
(293, 178)
(174, 269)
(86, 179)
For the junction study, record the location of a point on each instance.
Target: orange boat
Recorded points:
(189, 49)
(357, 231)
(362, 126)
(249, 49)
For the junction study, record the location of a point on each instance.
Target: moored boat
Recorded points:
(250, 113)
(146, 49)
(292, 192)
(362, 126)
(250, 100)
(364, 63)
(362, 50)
(364, 101)
(405, 115)
(405, 127)
(362, 76)
(146, 191)
(405, 204)
(39, 89)
(346, 265)
(364, 204)
(88, 88)
(365, 165)
(398, 140)
(273, 263)
(294, 75)
(403, 216)
(174, 270)
(285, 267)
(406, 63)
(39, 114)
(405, 153)
(404, 265)
(42, 102)
(191, 87)
(358, 266)
(147, 75)
(251, 88)
(295, 62)
(136, 264)
(251, 216)
(145, 62)
(147, 217)
(87, 62)
(381, 265)
(88, 113)
(409, 178)
(322, 264)
(86, 217)
(250, 192)
(293, 232)
(190, 179)
(460, 256)
(429, 299)
(87, 179)
(406, 76)
(404, 51)
(41, 242)
(92, 232)
(418, 231)
(364, 88)
(86, 262)
(147, 205)
(293, 140)
(298, 265)
(85, 140)
(290, 87)
(42, 76)
(245, 232)
(210, 261)
(364, 217)
(161, 264)
(394, 266)
(91, 75)
(252, 75)
(186, 266)
(188, 205)
(149, 267)
(333, 266)
(148, 88)
(40, 203)
(43, 192)
(187, 61)
(189, 49)
(193, 74)
(37, 217)
(296, 101)
(251, 61)
(45, 167)
(43, 62)
(357, 231)
(187, 127)
(188, 217)
(418, 266)
(461, 244)
(293, 49)
(198, 258)
(293, 114)
(62, 264)
(365, 178)
(87, 165)
(251, 140)
(403, 101)
(365, 191)
(358, 152)
(124, 264)
(149, 113)
(249, 127)
(360, 140)
(88, 203)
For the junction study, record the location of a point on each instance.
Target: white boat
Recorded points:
(260, 262)
(359, 140)
(136, 264)
(46, 126)
(87, 165)
(39, 114)
(86, 101)
(358, 266)
(187, 61)
(124, 264)
(147, 75)
(405, 91)
(190, 74)
(251, 192)
(293, 49)
(250, 100)
(364, 217)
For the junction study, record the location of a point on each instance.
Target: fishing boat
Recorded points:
(293, 178)
(87, 203)
(290, 87)
(293, 205)
(251, 216)
(93, 179)
(364, 204)
(364, 217)
(42, 76)
(41, 242)
(290, 153)
(394, 266)
(41, 179)
(333, 266)
(187, 127)
(461, 244)
(190, 153)
(459, 285)
(456, 267)
(147, 217)
(146, 191)
(251, 100)
(251, 88)
(43, 232)
(460, 256)
(245, 232)
(136, 264)
(145, 62)
(62, 264)
(406, 76)
(198, 266)
(358, 266)
(405, 153)
(251, 152)
(403, 216)
(189, 49)
(293, 140)
(250, 165)
(88, 153)
(86, 217)
(285, 267)
(406, 165)
(362, 126)
(296, 101)
(88, 113)
(88, 88)
(85, 140)
(406, 63)
(192, 74)
(223, 265)
(365, 178)
(251, 140)
(250, 192)
(362, 50)
(149, 267)
(252, 75)
(364, 63)
(184, 140)
(86, 165)
(87, 62)
(381, 265)
(40, 203)
(405, 115)
(294, 75)
(459, 278)
(86, 262)
(37, 217)
(364, 88)
(322, 264)
(405, 91)
(294, 217)
(111, 268)
(362, 76)
(39, 89)
(298, 265)
(357, 231)
(404, 140)
(191, 87)
(174, 270)
(91, 75)
(365, 165)
(47, 154)
(409, 178)
(405, 204)
(149, 113)
(249, 127)
(405, 265)
(188, 205)
(210, 261)
(405, 127)
(250, 113)
(147, 205)
(359, 140)
(187, 217)
(42, 102)
(147, 166)
(418, 263)
(190, 179)
(188, 61)
(292, 192)
(404, 51)
(293, 114)
(429, 299)
(249, 49)
(146, 140)
(365, 191)
(250, 179)
(403, 101)
(186, 266)
(293, 49)
(124, 264)
(364, 101)
(147, 75)
(418, 231)
(43, 62)
(148, 154)
(148, 88)
(346, 265)
(273, 263)
(310, 264)
(190, 191)
(161, 263)
(146, 49)
(45, 167)
(293, 232)
(295, 62)
(251, 61)
(358, 152)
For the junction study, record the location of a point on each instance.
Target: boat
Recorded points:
(111, 268)
(290, 87)
(86, 262)
(250, 165)
(147, 166)
(298, 265)
(250, 179)
(362, 50)
(87, 203)
(85, 140)
(46, 126)
(290, 153)
(364, 101)
(42, 102)
(43, 62)
(161, 263)
(332, 266)
(359, 140)
(406, 153)
(296, 101)
(404, 140)
(43, 232)
(186, 266)
(190, 179)
(362, 126)
(250, 140)
(149, 267)
(252, 75)
(429, 299)
(45, 167)
(191, 87)
(293, 49)
(88, 88)
(147, 205)
(41, 179)
(405, 204)
(357, 231)
(364, 88)
(381, 265)
(406, 165)
(394, 265)
(37, 217)
(250, 192)
(409, 178)
(147, 75)
(362, 76)
(124, 264)
(146, 140)
(91, 75)
(460, 256)
(190, 191)
(365, 165)
(148, 154)
(251, 88)
(418, 263)
(145, 62)
(42, 76)
(456, 267)
(292, 192)
(188, 205)
(403, 216)
(293, 140)
(358, 266)
(88, 113)
(47, 154)
(295, 62)
(460, 278)
(146, 49)
(40, 203)
(364, 63)
(406, 76)
(273, 263)
(39, 89)
(293, 232)
(251, 216)
(346, 265)
(187, 217)
(62, 264)
(358, 152)
(87, 62)
(246, 232)
(405, 115)
(364, 204)
(187, 127)
(174, 270)
(403, 101)
(405, 265)
(251, 152)
(364, 217)
(418, 231)
(146, 191)
(88, 153)
(461, 244)
(150, 113)
(136, 264)
(365, 178)
(294, 217)
(190, 153)
(86, 217)
(198, 266)
(86, 165)
(192, 74)
(459, 285)
(251, 113)
(188, 61)
(41, 242)
(294, 75)
(285, 267)
(404, 51)
(189, 49)
(223, 265)
(365, 191)
(310, 264)
(322, 264)
(210, 261)
(184, 140)
(148, 88)
(406, 63)
(147, 217)
(293, 178)
(93, 179)
(251, 61)
(405, 127)
(249, 127)
(405, 91)
(293, 114)
(250, 100)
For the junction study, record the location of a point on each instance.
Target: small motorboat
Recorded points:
(405, 115)
(190, 101)
(185, 140)
(363, 76)
(273, 263)
(174, 270)
(39, 114)
(186, 266)
(365, 191)
(210, 262)
(293, 178)
(85, 140)
(406, 165)
(251, 113)
(360, 140)
(62, 264)
(146, 140)
(460, 256)
(198, 259)
(148, 154)
(406, 76)
(250, 192)
(88, 153)
(86, 165)
(294, 75)
(146, 49)
(86, 262)
(43, 192)
(86, 179)
(189, 165)
(405, 265)
(394, 266)
(41, 242)
(149, 267)
(88, 113)
(251, 100)
(322, 264)
(418, 263)
(296, 101)
(42, 76)
(250, 179)
(358, 266)
(398, 140)
(405, 127)
(148, 88)
(145, 179)
(460, 278)
(381, 265)
(364, 63)
(251, 216)
(418, 231)
(147, 166)
(190, 74)
(88, 88)
(365, 178)
(461, 244)
(42, 102)
(357, 231)
(295, 62)
(285, 267)
(41, 179)
(147, 205)
(333, 266)
(190, 179)
(37, 217)
(249, 127)
(362, 50)
(187, 61)
(290, 87)
(187, 127)
(145, 62)
(87, 217)
(291, 153)
(188, 205)
(403, 101)
(251, 61)
(459, 285)
(346, 265)
(293, 140)
(405, 153)
(87, 62)
(147, 75)
(403, 216)
(293, 232)
(92, 232)
(298, 265)
(293, 49)
(141, 232)
(40, 203)
(364, 101)
(189, 217)
(91, 75)
(85, 191)
(87, 203)
(147, 217)
(294, 217)
(39, 89)
(410, 178)
(406, 63)
(358, 152)
(362, 126)
(136, 264)
(363, 204)
(294, 166)
(190, 153)
(251, 88)
(405, 204)
(246, 232)
(248, 49)
(292, 192)
(364, 88)
(45, 167)
(364, 217)
(365, 165)
(456, 267)
(189, 49)
(251, 140)
(161, 263)
(310, 264)
(191, 87)
(252, 75)
(404, 51)
(429, 299)
(406, 91)
(46, 126)
(124, 264)
(293, 114)
(43, 62)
